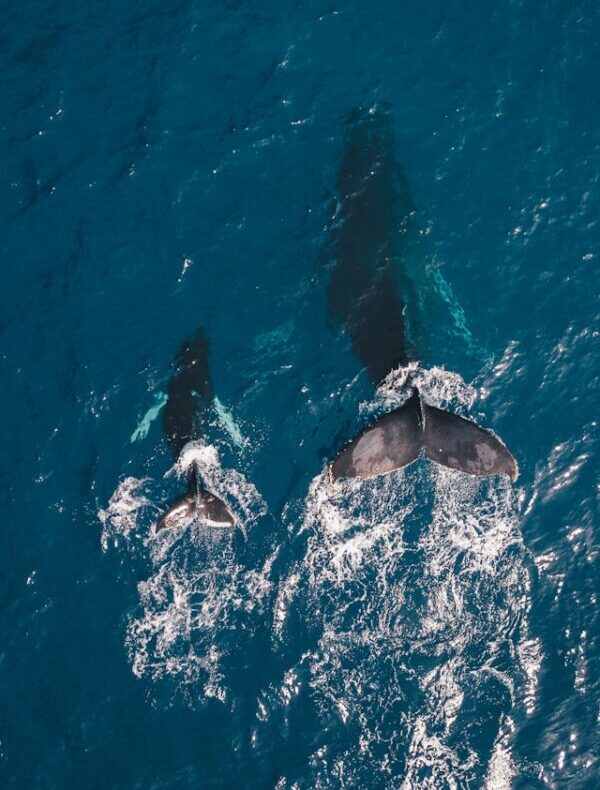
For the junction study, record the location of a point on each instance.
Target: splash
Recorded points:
(119, 520)
(201, 599)
(197, 608)
(439, 387)
(418, 590)
(502, 767)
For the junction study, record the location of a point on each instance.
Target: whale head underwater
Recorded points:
(374, 212)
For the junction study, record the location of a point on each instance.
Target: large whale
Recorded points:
(190, 395)
(363, 295)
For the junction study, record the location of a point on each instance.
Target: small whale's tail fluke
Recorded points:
(197, 504)
(401, 436)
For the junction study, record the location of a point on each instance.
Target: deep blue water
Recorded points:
(170, 165)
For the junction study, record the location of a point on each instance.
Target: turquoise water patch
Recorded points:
(145, 423)
(457, 313)
(227, 421)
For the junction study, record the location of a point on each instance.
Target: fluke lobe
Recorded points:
(189, 397)
(373, 216)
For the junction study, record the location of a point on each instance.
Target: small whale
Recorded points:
(363, 297)
(190, 395)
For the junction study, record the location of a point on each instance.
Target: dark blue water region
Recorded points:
(173, 165)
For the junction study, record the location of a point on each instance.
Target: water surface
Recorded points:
(170, 165)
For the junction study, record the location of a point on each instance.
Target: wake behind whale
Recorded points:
(411, 589)
(417, 588)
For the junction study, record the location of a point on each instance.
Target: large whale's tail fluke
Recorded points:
(197, 504)
(401, 436)
(460, 444)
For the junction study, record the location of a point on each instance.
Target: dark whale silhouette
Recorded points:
(189, 398)
(374, 213)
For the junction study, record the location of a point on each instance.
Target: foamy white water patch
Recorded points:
(192, 607)
(120, 518)
(438, 386)
(502, 768)
(418, 592)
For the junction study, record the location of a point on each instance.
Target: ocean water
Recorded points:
(172, 165)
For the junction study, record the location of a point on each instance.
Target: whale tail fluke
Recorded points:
(196, 505)
(458, 443)
(398, 438)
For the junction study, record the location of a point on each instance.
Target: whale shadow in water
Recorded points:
(373, 219)
(190, 395)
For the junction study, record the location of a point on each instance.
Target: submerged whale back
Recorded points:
(189, 394)
(374, 213)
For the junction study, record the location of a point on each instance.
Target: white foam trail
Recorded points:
(502, 768)
(199, 592)
(120, 519)
(418, 593)
(192, 603)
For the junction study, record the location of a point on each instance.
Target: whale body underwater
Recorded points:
(190, 395)
(364, 298)
(363, 295)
